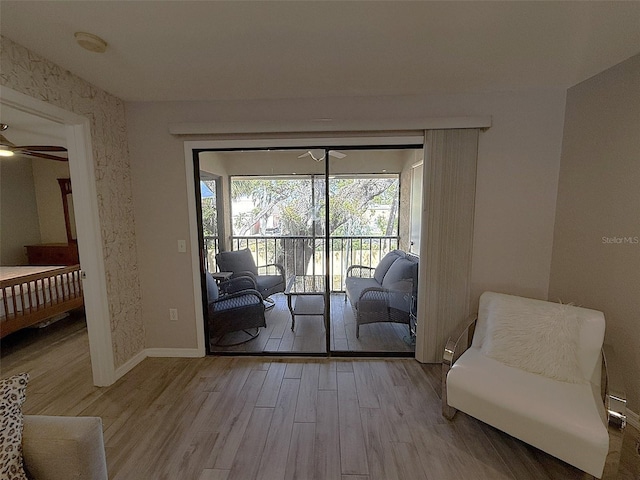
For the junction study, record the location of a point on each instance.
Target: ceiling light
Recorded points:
(4, 152)
(90, 42)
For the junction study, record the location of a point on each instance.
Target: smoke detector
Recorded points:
(91, 42)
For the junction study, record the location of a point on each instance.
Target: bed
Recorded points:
(30, 295)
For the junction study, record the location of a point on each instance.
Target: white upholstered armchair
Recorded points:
(539, 371)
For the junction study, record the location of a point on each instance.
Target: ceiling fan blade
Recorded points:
(41, 148)
(29, 153)
(337, 154)
(4, 141)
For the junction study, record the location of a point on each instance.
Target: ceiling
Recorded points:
(27, 129)
(229, 50)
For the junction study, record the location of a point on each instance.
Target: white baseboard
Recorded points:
(174, 352)
(157, 352)
(122, 370)
(633, 419)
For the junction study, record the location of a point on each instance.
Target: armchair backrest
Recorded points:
(237, 261)
(385, 263)
(212, 288)
(590, 326)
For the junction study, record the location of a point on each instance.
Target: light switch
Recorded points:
(182, 246)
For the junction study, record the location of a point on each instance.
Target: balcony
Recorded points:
(306, 255)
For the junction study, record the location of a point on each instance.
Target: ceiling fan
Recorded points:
(8, 149)
(318, 155)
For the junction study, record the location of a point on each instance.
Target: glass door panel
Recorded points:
(370, 312)
(275, 211)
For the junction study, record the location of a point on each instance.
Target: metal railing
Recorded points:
(304, 255)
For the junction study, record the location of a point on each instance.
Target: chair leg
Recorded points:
(269, 303)
(357, 330)
(447, 411)
(250, 336)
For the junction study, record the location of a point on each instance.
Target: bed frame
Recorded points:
(58, 291)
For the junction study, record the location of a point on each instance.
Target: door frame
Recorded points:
(85, 207)
(191, 150)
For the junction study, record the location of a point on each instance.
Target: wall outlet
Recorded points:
(173, 314)
(182, 246)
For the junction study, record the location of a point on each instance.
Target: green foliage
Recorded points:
(358, 206)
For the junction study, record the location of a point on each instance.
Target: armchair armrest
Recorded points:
(452, 351)
(60, 448)
(615, 398)
(243, 273)
(236, 300)
(239, 283)
(359, 270)
(615, 405)
(277, 266)
(379, 295)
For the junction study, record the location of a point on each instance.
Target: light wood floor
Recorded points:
(223, 418)
(309, 334)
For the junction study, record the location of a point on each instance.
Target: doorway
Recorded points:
(316, 218)
(76, 131)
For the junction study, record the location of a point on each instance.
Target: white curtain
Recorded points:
(449, 180)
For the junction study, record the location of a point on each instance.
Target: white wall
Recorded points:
(18, 210)
(599, 202)
(518, 166)
(50, 210)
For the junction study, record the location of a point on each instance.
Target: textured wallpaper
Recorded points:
(33, 75)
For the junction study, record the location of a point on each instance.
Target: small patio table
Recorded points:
(309, 293)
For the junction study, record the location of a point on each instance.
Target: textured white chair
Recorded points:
(539, 371)
(64, 448)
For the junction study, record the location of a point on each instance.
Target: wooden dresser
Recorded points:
(53, 254)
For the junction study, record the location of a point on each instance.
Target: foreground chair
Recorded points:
(241, 262)
(533, 370)
(62, 448)
(241, 309)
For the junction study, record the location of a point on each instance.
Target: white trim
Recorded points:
(195, 251)
(279, 142)
(126, 367)
(78, 136)
(174, 352)
(633, 419)
(134, 361)
(329, 125)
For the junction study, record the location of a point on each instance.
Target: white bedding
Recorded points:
(40, 292)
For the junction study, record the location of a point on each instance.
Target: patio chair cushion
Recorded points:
(232, 302)
(212, 288)
(401, 280)
(237, 261)
(267, 282)
(355, 286)
(386, 262)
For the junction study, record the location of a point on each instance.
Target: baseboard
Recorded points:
(156, 352)
(174, 352)
(122, 370)
(633, 419)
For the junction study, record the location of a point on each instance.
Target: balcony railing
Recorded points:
(305, 255)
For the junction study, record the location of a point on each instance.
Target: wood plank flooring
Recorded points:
(309, 334)
(222, 418)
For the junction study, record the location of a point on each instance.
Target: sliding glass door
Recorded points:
(317, 217)
(367, 208)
